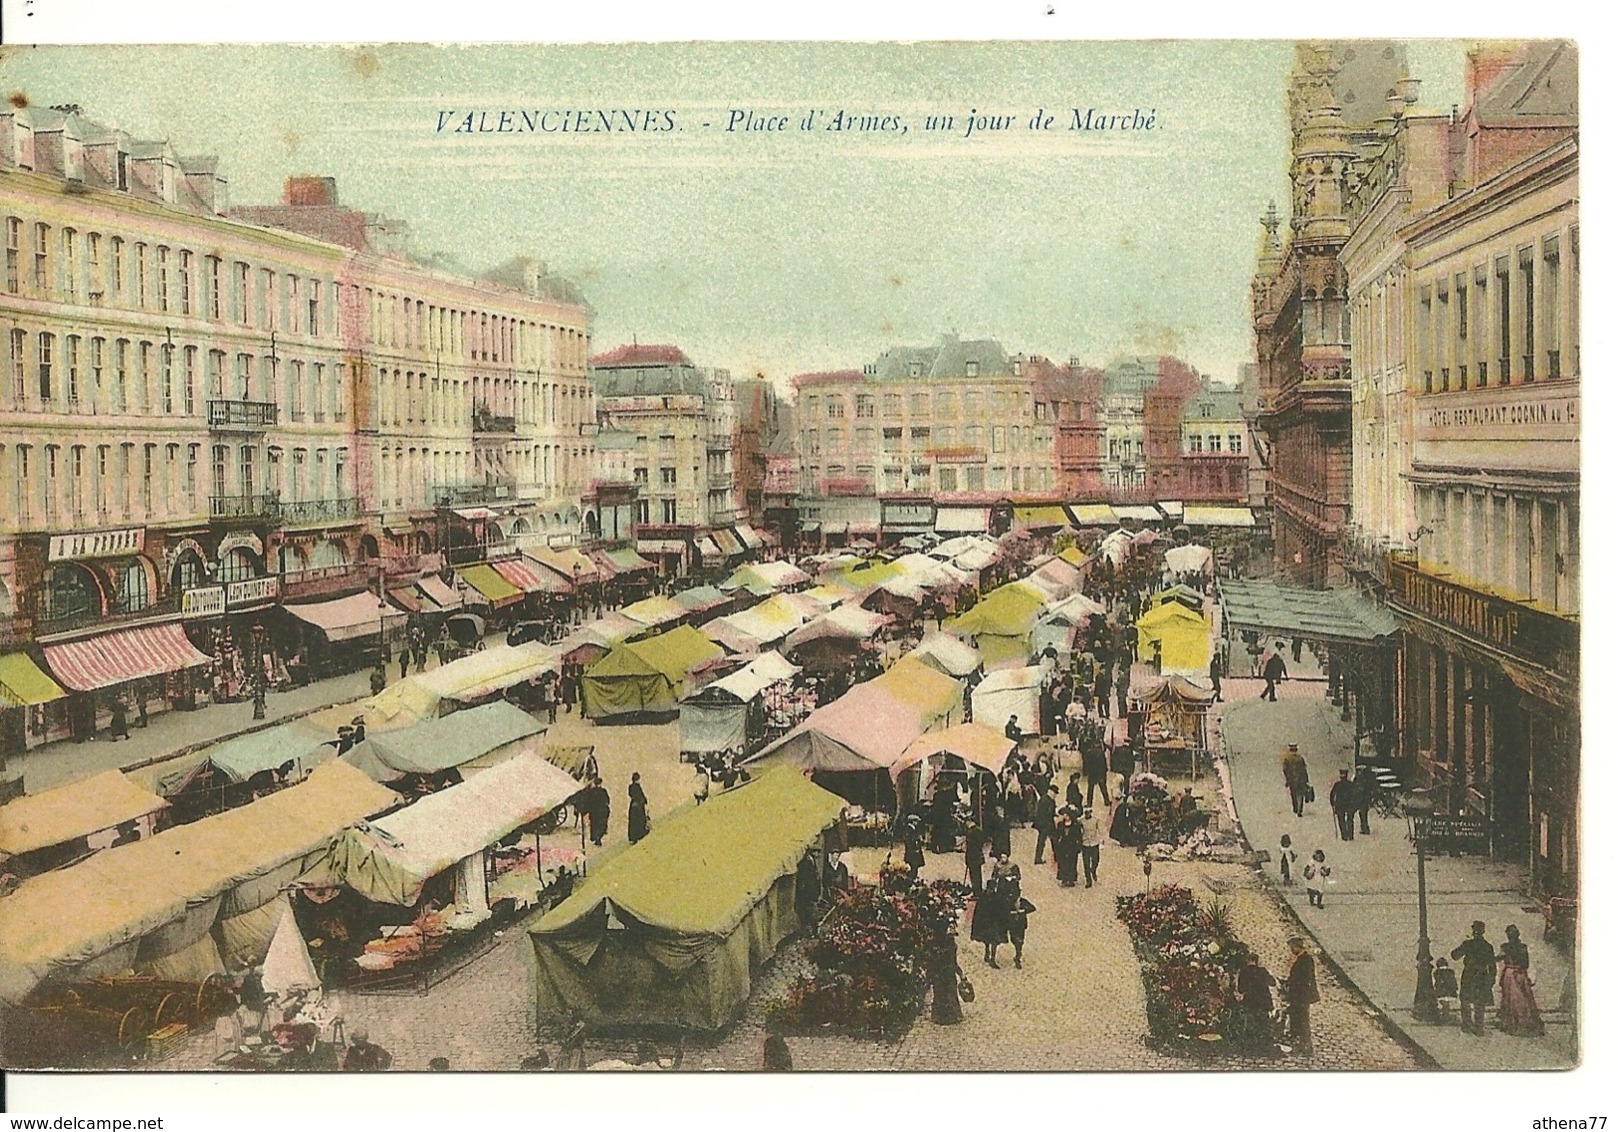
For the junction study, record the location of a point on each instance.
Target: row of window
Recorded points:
(942, 403)
(407, 398)
(929, 478)
(400, 322)
(1501, 321)
(1001, 438)
(1197, 444)
(92, 268)
(97, 270)
(1516, 545)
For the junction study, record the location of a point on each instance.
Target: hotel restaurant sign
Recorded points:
(1519, 630)
(215, 601)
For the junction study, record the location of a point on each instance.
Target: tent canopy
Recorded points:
(59, 920)
(246, 755)
(438, 744)
(1185, 637)
(1183, 594)
(697, 875)
(647, 675)
(1173, 690)
(490, 670)
(1008, 692)
(947, 653)
(974, 743)
(656, 610)
(1008, 611)
(78, 809)
(287, 966)
(390, 859)
(1074, 610)
(845, 623)
(700, 599)
(865, 729)
(765, 577)
(1189, 559)
(749, 682)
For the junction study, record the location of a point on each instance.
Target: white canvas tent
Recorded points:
(947, 653)
(715, 718)
(1192, 559)
(287, 966)
(1008, 692)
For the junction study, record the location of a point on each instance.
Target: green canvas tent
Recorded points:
(645, 676)
(670, 930)
(449, 741)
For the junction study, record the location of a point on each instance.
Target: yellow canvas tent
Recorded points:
(132, 905)
(999, 624)
(645, 676)
(102, 801)
(1186, 638)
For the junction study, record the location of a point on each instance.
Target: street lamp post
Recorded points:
(1425, 1008)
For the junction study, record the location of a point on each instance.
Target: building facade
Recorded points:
(205, 413)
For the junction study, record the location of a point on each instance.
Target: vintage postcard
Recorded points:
(942, 556)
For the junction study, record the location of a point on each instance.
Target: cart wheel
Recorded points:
(167, 1007)
(134, 1025)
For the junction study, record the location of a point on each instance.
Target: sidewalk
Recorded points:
(1369, 926)
(57, 763)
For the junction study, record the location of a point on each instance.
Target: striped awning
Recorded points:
(438, 593)
(487, 581)
(121, 656)
(749, 536)
(710, 549)
(530, 577)
(22, 684)
(407, 599)
(728, 542)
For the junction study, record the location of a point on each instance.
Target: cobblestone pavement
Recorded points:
(1370, 923)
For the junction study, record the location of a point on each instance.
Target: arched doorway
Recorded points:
(239, 565)
(188, 572)
(519, 526)
(368, 549)
(132, 585)
(292, 559)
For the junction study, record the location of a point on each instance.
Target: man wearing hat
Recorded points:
(1477, 978)
(1295, 773)
(1343, 798)
(1302, 992)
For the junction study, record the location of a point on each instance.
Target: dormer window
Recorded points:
(915, 369)
(971, 369)
(123, 171)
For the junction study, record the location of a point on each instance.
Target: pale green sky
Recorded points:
(778, 253)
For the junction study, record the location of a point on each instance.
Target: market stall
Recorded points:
(479, 834)
(670, 931)
(1008, 692)
(832, 639)
(957, 754)
(947, 653)
(1189, 560)
(346, 633)
(1171, 719)
(44, 831)
(756, 629)
(645, 676)
(764, 578)
(435, 746)
(1184, 637)
(735, 712)
(1000, 624)
(232, 773)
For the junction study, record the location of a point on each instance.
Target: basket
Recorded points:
(161, 1043)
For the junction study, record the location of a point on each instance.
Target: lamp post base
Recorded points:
(1425, 1008)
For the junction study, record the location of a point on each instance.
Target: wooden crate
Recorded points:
(161, 1043)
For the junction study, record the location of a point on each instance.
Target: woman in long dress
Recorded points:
(989, 920)
(1065, 847)
(945, 974)
(639, 824)
(1518, 1013)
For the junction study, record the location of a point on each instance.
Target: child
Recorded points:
(1445, 988)
(1314, 878)
(1288, 858)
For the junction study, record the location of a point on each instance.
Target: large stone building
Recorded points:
(1335, 96)
(1462, 276)
(683, 420)
(1213, 447)
(205, 414)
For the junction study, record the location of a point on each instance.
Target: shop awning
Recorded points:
(659, 546)
(530, 578)
(728, 542)
(750, 538)
(1041, 517)
(1093, 514)
(348, 618)
(22, 684)
(961, 520)
(474, 513)
(1293, 611)
(441, 595)
(123, 655)
(390, 859)
(709, 549)
(626, 561)
(1217, 516)
(407, 599)
(90, 805)
(1142, 514)
(496, 589)
(1173, 509)
(569, 562)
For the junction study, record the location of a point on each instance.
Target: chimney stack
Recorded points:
(310, 192)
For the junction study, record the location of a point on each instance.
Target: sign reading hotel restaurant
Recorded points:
(254, 591)
(209, 601)
(1517, 629)
(97, 544)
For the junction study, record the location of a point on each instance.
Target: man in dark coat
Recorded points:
(1123, 763)
(1044, 822)
(806, 895)
(1216, 673)
(1095, 774)
(1366, 788)
(1302, 992)
(1275, 669)
(1477, 978)
(638, 822)
(599, 810)
(976, 842)
(1343, 799)
(1103, 691)
(1295, 774)
(1253, 985)
(989, 917)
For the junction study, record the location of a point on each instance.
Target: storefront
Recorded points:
(229, 622)
(345, 633)
(1489, 710)
(24, 693)
(144, 665)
